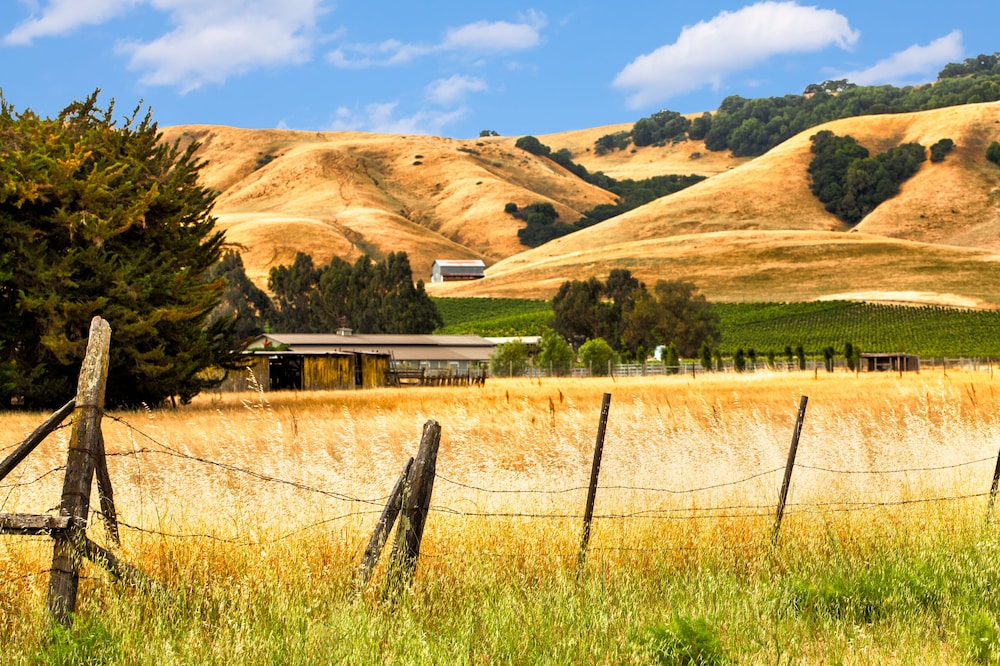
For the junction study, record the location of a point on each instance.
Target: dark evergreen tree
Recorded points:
(365, 296)
(104, 220)
(242, 301)
(291, 287)
(993, 153)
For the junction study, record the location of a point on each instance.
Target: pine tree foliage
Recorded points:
(243, 302)
(368, 296)
(104, 220)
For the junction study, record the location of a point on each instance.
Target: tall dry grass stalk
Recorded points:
(236, 496)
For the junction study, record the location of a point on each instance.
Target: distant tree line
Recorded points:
(751, 127)
(850, 182)
(542, 220)
(366, 296)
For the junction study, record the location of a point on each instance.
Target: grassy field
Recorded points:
(252, 512)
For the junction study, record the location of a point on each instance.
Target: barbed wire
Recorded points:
(61, 426)
(746, 511)
(897, 471)
(614, 487)
(168, 450)
(21, 484)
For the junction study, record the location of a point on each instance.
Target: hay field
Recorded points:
(253, 511)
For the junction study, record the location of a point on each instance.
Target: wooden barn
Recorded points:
(306, 361)
(450, 270)
(305, 370)
(890, 362)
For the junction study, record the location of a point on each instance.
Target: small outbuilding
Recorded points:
(451, 270)
(890, 362)
(344, 360)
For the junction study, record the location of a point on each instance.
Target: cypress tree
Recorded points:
(110, 221)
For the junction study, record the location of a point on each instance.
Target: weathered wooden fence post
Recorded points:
(786, 482)
(595, 470)
(416, 503)
(382, 528)
(35, 438)
(993, 491)
(83, 451)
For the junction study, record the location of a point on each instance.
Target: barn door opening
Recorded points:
(285, 372)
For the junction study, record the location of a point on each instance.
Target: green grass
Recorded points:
(926, 331)
(907, 599)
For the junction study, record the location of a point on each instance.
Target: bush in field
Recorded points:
(740, 360)
(687, 642)
(993, 153)
(982, 638)
(509, 359)
(597, 356)
(940, 149)
(554, 354)
(671, 359)
(705, 354)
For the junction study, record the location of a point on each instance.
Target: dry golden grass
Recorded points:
(258, 570)
(666, 433)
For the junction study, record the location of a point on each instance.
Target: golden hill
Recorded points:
(751, 231)
(351, 193)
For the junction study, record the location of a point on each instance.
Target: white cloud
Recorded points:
(478, 37)
(216, 39)
(497, 36)
(732, 41)
(380, 118)
(61, 17)
(922, 62)
(454, 89)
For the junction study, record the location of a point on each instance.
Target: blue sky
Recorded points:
(455, 68)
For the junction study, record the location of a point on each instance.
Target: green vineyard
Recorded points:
(925, 331)
(493, 317)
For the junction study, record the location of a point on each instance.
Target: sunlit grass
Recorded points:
(258, 567)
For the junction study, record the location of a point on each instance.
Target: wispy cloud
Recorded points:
(215, 40)
(454, 89)
(479, 37)
(381, 118)
(916, 64)
(62, 17)
(705, 53)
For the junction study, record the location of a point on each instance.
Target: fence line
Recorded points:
(377, 501)
(736, 511)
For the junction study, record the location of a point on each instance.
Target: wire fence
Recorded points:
(368, 507)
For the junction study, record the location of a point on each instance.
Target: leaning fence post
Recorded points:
(993, 491)
(786, 482)
(382, 529)
(35, 438)
(420, 482)
(83, 449)
(595, 470)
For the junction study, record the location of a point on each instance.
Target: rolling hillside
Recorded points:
(751, 231)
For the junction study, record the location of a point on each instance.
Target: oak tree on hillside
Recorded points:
(97, 219)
